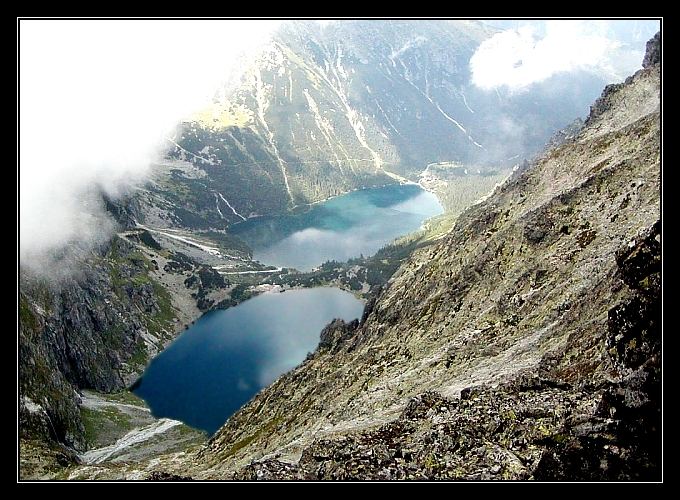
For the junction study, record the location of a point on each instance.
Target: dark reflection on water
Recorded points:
(217, 365)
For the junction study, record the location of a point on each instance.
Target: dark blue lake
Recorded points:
(227, 356)
(357, 223)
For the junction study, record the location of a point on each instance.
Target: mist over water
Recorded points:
(348, 226)
(98, 99)
(219, 363)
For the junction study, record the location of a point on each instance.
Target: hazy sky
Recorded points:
(97, 99)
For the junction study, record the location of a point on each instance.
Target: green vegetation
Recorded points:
(146, 238)
(99, 424)
(165, 316)
(239, 293)
(185, 430)
(179, 262)
(126, 266)
(266, 429)
(352, 275)
(90, 419)
(458, 187)
(113, 336)
(438, 226)
(26, 317)
(129, 272)
(228, 241)
(140, 279)
(125, 397)
(40, 459)
(140, 356)
(210, 278)
(252, 171)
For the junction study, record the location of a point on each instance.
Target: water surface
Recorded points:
(227, 356)
(348, 226)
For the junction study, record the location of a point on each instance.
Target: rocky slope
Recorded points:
(323, 110)
(525, 344)
(88, 332)
(96, 327)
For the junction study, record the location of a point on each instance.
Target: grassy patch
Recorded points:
(140, 356)
(125, 397)
(461, 191)
(265, 429)
(102, 424)
(140, 279)
(224, 115)
(90, 419)
(131, 268)
(163, 319)
(185, 430)
(26, 317)
(127, 267)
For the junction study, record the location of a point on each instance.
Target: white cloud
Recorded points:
(97, 99)
(518, 58)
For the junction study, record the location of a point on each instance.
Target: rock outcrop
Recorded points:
(525, 344)
(90, 330)
(653, 52)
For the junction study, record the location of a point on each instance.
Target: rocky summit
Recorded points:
(524, 343)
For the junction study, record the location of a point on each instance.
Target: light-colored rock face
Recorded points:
(525, 280)
(360, 103)
(617, 110)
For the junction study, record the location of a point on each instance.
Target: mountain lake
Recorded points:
(227, 356)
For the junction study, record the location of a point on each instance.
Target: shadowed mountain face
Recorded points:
(324, 110)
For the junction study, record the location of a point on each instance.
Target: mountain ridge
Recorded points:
(323, 111)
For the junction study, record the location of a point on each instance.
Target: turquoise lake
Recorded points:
(348, 226)
(227, 356)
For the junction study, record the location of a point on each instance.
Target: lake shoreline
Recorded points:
(379, 215)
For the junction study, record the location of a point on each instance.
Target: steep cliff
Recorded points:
(526, 343)
(90, 330)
